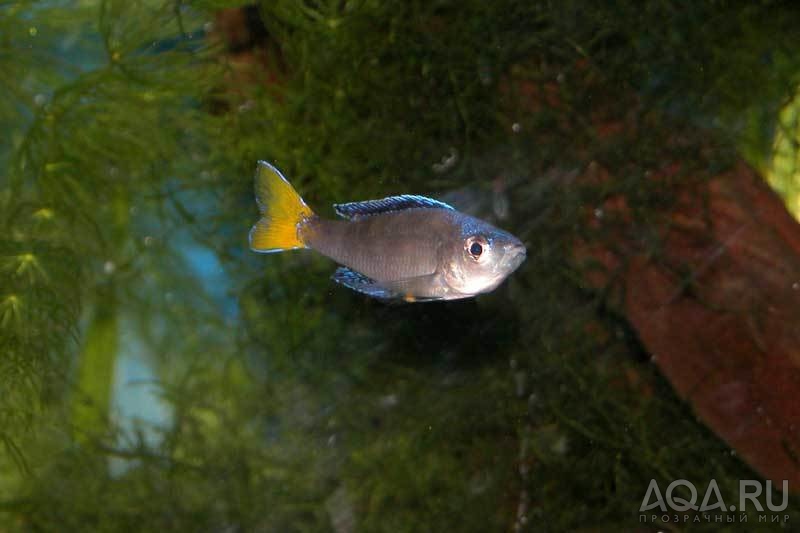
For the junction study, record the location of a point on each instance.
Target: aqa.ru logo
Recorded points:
(749, 489)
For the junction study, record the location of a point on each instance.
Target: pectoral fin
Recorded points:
(418, 289)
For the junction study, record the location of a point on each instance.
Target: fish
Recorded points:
(405, 248)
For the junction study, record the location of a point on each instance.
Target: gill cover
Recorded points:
(282, 212)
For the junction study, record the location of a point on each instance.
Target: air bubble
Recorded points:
(560, 446)
(448, 161)
(390, 400)
(519, 382)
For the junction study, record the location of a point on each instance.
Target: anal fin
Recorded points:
(361, 283)
(409, 290)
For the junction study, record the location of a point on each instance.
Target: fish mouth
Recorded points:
(516, 248)
(515, 254)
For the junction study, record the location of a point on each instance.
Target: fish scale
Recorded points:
(391, 247)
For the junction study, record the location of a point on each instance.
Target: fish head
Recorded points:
(481, 257)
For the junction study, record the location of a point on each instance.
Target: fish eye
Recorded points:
(475, 246)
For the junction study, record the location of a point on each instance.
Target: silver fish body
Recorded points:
(406, 247)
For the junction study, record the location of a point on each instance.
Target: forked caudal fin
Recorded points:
(282, 211)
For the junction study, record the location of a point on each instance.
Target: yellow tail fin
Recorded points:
(282, 212)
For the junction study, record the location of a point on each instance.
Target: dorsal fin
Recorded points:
(355, 210)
